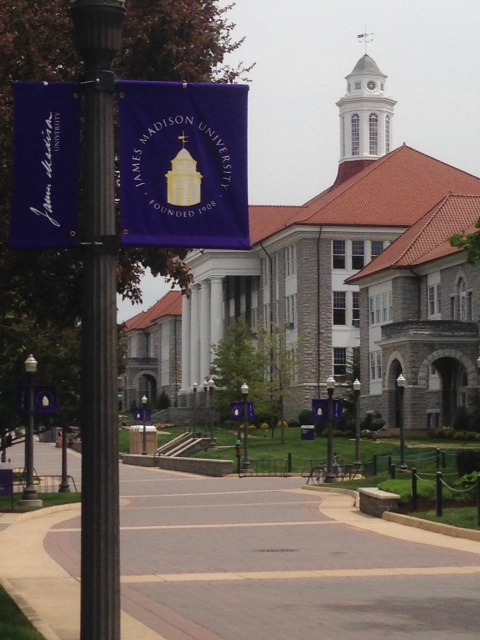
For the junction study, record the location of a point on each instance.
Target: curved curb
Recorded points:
(408, 521)
(434, 527)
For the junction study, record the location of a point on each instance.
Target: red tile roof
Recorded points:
(428, 239)
(169, 305)
(394, 191)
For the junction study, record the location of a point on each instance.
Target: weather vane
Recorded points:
(365, 37)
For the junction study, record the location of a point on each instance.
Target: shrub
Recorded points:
(468, 461)
(305, 416)
(163, 401)
(445, 432)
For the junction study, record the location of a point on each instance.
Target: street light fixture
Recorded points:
(401, 383)
(357, 385)
(30, 496)
(211, 386)
(330, 476)
(194, 427)
(144, 416)
(246, 459)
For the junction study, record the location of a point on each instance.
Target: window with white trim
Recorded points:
(339, 362)
(375, 365)
(376, 248)
(356, 309)
(291, 311)
(434, 300)
(358, 254)
(355, 134)
(380, 308)
(338, 254)
(339, 307)
(373, 133)
(290, 260)
(387, 133)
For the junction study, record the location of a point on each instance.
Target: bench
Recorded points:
(375, 502)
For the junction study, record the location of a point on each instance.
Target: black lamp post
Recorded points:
(211, 386)
(98, 31)
(357, 385)
(30, 496)
(246, 458)
(195, 388)
(64, 484)
(330, 476)
(144, 416)
(401, 383)
(205, 389)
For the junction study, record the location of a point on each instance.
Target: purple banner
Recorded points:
(237, 410)
(320, 410)
(183, 165)
(46, 166)
(6, 482)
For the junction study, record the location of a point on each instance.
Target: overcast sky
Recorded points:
(303, 49)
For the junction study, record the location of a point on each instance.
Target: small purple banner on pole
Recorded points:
(6, 482)
(46, 166)
(320, 410)
(183, 165)
(237, 412)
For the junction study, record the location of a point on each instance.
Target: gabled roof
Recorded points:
(169, 305)
(428, 239)
(394, 191)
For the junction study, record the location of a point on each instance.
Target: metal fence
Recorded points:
(43, 484)
(260, 468)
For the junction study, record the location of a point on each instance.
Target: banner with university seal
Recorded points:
(46, 165)
(183, 165)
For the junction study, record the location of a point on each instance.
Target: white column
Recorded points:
(195, 337)
(186, 335)
(216, 310)
(205, 340)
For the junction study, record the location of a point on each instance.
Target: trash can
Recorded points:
(136, 439)
(307, 431)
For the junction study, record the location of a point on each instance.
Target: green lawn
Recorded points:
(48, 499)
(13, 623)
(464, 517)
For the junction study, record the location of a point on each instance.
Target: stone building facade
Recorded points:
(431, 334)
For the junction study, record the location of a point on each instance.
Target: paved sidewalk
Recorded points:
(39, 556)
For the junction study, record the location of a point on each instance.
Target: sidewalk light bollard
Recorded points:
(437, 457)
(64, 484)
(414, 489)
(375, 468)
(289, 463)
(357, 385)
(30, 495)
(330, 476)
(246, 457)
(401, 384)
(194, 427)
(144, 434)
(392, 472)
(439, 494)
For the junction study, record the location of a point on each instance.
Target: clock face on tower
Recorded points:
(371, 85)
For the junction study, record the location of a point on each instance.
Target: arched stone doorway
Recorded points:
(394, 408)
(449, 379)
(146, 386)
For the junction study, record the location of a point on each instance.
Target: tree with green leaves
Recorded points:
(237, 361)
(41, 290)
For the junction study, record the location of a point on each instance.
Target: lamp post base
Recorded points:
(212, 444)
(64, 487)
(246, 465)
(329, 477)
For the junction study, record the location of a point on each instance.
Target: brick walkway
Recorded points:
(254, 559)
